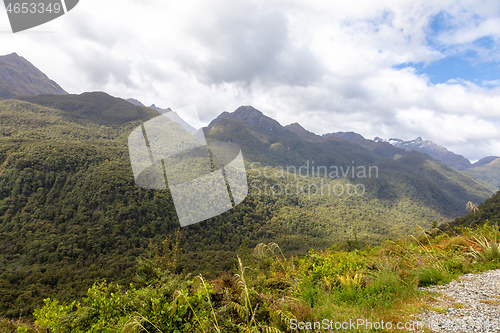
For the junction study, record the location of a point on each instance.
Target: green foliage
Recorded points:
(489, 249)
(51, 315)
(431, 275)
(9, 326)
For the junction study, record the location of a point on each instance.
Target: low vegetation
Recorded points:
(268, 292)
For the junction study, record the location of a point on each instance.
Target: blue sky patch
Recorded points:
(477, 62)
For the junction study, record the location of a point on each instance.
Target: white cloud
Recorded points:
(328, 65)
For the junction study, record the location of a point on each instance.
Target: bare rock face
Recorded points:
(18, 77)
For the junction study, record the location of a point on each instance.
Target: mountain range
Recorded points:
(71, 213)
(485, 169)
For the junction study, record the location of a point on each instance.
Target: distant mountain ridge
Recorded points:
(484, 161)
(489, 173)
(98, 107)
(18, 77)
(351, 136)
(487, 169)
(432, 149)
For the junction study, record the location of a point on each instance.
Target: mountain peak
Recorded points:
(12, 55)
(485, 161)
(18, 77)
(248, 111)
(247, 108)
(349, 136)
(249, 116)
(303, 133)
(134, 102)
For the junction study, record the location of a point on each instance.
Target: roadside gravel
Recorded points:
(469, 304)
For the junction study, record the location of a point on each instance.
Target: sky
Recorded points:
(388, 68)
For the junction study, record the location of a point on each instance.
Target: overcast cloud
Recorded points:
(358, 65)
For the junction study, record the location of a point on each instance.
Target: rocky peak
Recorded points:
(303, 133)
(250, 116)
(18, 77)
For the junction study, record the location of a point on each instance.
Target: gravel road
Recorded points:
(469, 304)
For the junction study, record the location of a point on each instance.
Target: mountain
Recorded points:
(380, 148)
(303, 133)
(98, 107)
(436, 151)
(134, 102)
(403, 174)
(265, 140)
(484, 161)
(351, 136)
(160, 110)
(486, 169)
(168, 113)
(489, 173)
(18, 77)
(250, 117)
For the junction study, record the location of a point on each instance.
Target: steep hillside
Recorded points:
(18, 77)
(303, 133)
(489, 173)
(97, 107)
(489, 210)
